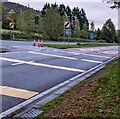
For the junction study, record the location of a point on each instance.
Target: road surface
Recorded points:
(28, 71)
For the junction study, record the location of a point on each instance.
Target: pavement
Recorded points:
(28, 71)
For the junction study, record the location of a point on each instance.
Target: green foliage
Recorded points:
(115, 3)
(11, 16)
(26, 22)
(76, 32)
(52, 23)
(78, 45)
(19, 35)
(92, 26)
(18, 8)
(84, 32)
(38, 24)
(108, 32)
(98, 32)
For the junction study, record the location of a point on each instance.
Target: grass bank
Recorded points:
(96, 97)
(2, 50)
(65, 46)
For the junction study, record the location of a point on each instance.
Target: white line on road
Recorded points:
(93, 61)
(76, 53)
(42, 65)
(65, 57)
(94, 55)
(15, 64)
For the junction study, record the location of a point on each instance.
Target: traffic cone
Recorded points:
(38, 43)
(42, 45)
(34, 43)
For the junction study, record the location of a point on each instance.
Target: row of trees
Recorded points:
(51, 19)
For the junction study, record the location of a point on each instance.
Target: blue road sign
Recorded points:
(91, 36)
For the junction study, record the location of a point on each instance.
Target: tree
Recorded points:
(53, 23)
(5, 23)
(38, 24)
(62, 10)
(98, 33)
(92, 26)
(26, 22)
(116, 3)
(76, 32)
(11, 16)
(83, 19)
(84, 32)
(46, 6)
(108, 32)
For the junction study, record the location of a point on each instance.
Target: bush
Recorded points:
(7, 36)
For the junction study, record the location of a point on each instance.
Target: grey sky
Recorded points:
(96, 10)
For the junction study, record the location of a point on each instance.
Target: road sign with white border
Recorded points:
(67, 24)
(11, 25)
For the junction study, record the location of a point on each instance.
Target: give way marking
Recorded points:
(16, 92)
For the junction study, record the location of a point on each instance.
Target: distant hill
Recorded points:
(18, 8)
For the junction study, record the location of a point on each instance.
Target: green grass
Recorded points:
(2, 50)
(7, 31)
(107, 92)
(65, 46)
(102, 100)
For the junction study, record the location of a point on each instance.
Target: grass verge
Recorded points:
(97, 97)
(65, 46)
(2, 50)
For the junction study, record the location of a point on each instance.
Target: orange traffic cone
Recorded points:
(38, 43)
(34, 43)
(42, 45)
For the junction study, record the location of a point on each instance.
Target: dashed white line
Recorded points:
(58, 56)
(83, 54)
(93, 61)
(15, 64)
(94, 55)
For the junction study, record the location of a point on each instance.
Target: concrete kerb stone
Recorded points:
(44, 101)
(61, 91)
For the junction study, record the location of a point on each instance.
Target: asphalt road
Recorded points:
(28, 70)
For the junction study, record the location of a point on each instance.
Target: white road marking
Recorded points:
(42, 65)
(16, 92)
(84, 54)
(95, 55)
(65, 57)
(15, 64)
(75, 53)
(93, 61)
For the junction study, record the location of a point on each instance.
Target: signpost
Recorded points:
(67, 30)
(11, 25)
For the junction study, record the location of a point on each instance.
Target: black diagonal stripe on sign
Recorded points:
(11, 25)
(66, 24)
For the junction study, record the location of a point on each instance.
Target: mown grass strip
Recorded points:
(65, 46)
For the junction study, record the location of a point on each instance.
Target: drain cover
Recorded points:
(28, 114)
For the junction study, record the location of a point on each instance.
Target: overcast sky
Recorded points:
(96, 10)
